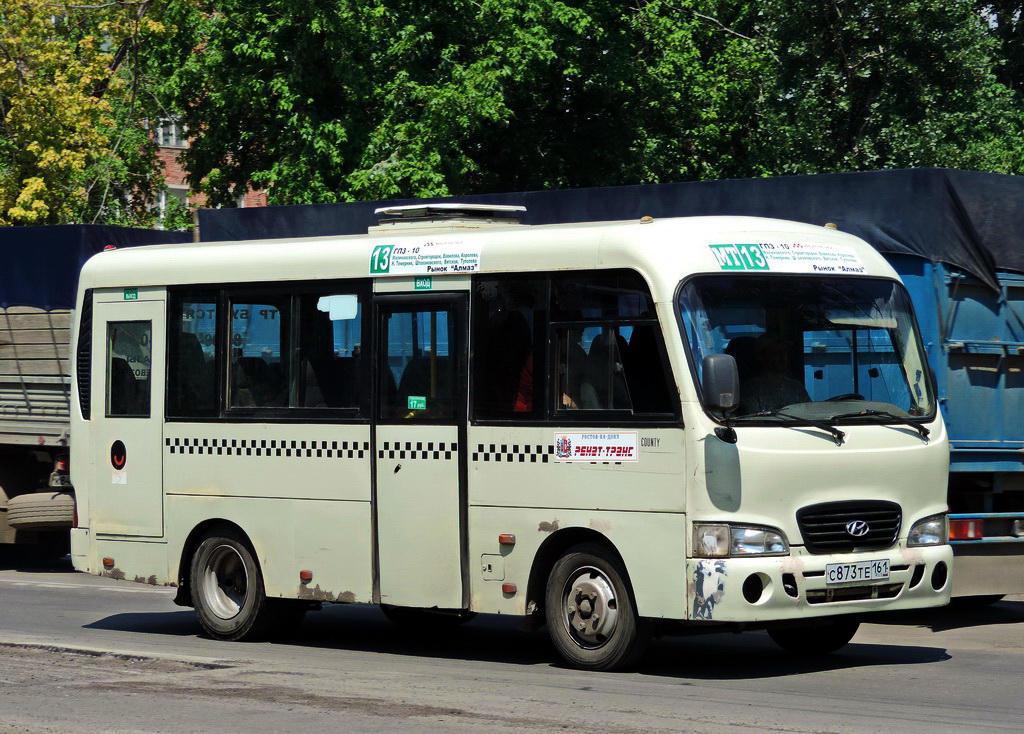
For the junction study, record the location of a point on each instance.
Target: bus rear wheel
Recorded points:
(227, 588)
(812, 641)
(590, 612)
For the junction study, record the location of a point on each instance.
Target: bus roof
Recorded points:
(665, 251)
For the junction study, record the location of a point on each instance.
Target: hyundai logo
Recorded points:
(857, 528)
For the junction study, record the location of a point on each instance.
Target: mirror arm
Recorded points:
(726, 433)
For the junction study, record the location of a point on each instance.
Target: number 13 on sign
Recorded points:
(380, 259)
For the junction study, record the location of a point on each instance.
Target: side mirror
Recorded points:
(720, 385)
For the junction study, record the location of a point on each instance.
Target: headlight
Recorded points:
(932, 530)
(722, 541)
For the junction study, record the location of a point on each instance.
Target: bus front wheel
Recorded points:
(590, 612)
(227, 588)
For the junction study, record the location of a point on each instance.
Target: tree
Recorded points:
(332, 100)
(329, 100)
(868, 84)
(73, 142)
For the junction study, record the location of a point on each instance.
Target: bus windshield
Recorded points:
(829, 348)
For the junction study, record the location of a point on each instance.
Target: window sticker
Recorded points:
(339, 308)
(793, 257)
(590, 447)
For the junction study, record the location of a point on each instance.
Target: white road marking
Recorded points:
(115, 589)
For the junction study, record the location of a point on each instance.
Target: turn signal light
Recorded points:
(966, 529)
(506, 539)
(305, 576)
(108, 563)
(508, 588)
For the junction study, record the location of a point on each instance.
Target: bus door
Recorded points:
(127, 413)
(419, 451)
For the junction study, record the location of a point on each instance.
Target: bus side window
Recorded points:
(259, 374)
(128, 365)
(509, 320)
(331, 364)
(609, 353)
(191, 374)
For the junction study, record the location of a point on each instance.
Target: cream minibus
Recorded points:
(617, 429)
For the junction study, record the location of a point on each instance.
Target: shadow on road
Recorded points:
(32, 560)
(957, 616)
(179, 624)
(491, 638)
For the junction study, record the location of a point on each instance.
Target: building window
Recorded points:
(170, 133)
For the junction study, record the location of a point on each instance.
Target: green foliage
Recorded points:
(329, 100)
(363, 99)
(868, 84)
(73, 144)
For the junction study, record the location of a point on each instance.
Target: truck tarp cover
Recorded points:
(969, 219)
(39, 266)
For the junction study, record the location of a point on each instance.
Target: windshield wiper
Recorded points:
(837, 435)
(886, 414)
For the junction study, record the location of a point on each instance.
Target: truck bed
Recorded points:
(35, 382)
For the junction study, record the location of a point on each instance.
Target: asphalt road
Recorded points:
(85, 654)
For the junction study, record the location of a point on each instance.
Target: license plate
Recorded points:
(845, 573)
(60, 480)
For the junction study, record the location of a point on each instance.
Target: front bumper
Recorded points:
(776, 588)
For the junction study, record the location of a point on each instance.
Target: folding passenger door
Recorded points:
(420, 449)
(127, 412)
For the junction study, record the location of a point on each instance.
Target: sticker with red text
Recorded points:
(579, 446)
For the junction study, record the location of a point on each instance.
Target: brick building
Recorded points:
(171, 139)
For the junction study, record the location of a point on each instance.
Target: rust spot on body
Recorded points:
(548, 527)
(115, 573)
(315, 594)
(347, 597)
(601, 526)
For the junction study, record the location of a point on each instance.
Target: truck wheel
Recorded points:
(590, 612)
(227, 588)
(814, 640)
(41, 510)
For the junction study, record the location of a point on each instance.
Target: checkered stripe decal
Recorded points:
(522, 453)
(532, 453)
(417, 450)
(267, 447)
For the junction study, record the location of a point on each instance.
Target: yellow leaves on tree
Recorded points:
(60, 79)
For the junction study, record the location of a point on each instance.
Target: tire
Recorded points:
(227, 588)
(815, 640)
(588, 587)
(41, 511)
(426, 619)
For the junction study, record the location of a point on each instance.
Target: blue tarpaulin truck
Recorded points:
(956, 238)
(38, 280)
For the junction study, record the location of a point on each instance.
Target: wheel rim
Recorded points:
(225, 582)
(590, 610)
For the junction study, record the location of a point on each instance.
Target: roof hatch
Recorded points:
(447, 215)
